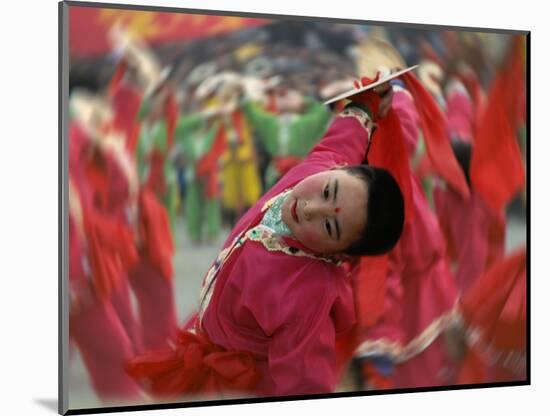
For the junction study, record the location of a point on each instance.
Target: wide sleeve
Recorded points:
(346, 140)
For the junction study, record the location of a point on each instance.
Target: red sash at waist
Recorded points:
(195, 365)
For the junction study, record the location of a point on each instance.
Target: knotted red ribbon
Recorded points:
(195, 365)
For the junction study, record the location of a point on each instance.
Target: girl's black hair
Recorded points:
(385, 212)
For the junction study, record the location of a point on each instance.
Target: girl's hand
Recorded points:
(385, 92)
(378, 100)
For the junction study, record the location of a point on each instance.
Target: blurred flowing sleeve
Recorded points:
(187, 124)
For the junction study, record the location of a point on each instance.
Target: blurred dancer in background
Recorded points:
(159, 114)
(289, 125)
(494, 307)
(201, 142)
(402, 350)
(419, 322)
(493, 324)
(102, 189)
(475, 228)
(152, 277)
(241, 185)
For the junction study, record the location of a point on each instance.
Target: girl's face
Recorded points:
(327, 211)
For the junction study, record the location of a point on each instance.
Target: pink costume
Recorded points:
(420, 290)
(270, 310)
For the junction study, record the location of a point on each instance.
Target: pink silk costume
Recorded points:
(270, 299)
(420, 290)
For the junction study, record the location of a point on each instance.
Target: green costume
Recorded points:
(287, 137)
(196, 139)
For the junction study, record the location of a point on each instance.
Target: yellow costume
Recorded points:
(241, 186)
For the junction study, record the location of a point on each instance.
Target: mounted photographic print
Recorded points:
(266, 208)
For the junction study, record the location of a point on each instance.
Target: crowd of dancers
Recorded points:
(442, 303)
